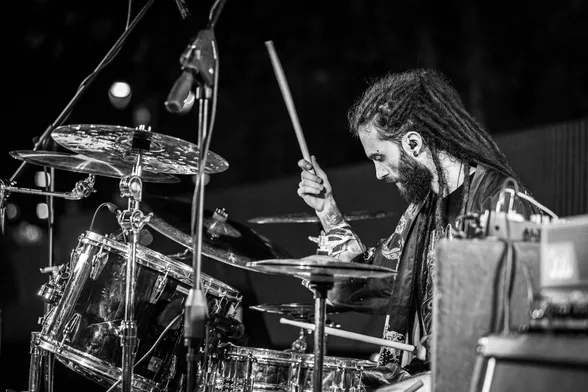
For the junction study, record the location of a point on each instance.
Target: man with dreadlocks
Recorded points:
(415, 129)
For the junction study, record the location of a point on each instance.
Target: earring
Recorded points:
(415, 153)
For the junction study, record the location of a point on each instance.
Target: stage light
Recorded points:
(141, 116)
(42, 179)
(42, 211)
(120, 94)
(206, 179)
(12, 211)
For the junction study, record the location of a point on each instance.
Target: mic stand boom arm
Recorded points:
(84, 85)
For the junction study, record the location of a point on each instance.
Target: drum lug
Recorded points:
(158, 288)
(250, 378)
(356, 383)
(295, 376)
(70, 327)
(98, 262)
(171, 372)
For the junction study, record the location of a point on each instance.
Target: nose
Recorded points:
(381, 171)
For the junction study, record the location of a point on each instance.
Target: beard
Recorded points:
(414, 179)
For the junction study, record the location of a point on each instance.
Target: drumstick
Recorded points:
(288, 99)
(353, 336)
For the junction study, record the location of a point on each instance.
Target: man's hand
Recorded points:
(315, 189)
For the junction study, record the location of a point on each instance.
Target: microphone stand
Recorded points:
(44, 140)
(195, 322)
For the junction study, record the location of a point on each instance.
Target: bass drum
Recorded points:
(83, 329)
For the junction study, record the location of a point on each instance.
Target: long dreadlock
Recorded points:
(424, 101)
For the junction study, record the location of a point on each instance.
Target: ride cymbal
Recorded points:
(83, 164)
(312, 218)
(120, 145)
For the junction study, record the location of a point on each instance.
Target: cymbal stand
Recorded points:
(320, 287)
(131, 220)
(43, 140)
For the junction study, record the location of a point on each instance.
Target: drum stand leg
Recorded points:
(41, 367)
(320, 289)
(131, 220)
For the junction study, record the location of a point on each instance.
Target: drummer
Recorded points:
(416, 130)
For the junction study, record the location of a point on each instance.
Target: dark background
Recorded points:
(517, 65)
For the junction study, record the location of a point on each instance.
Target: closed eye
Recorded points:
(376, 157)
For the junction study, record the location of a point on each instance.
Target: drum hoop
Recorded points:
(93, 364)
(263, 355)
(163, 264)
(260, 354)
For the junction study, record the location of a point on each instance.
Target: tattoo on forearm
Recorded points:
(333, 219)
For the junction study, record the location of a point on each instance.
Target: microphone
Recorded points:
(198, 63)
(113, 208)
(228, 326)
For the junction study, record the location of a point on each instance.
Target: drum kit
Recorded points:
(118, 311)
(115, 289)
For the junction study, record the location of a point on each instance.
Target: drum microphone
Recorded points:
(198, 63)
(228, 326)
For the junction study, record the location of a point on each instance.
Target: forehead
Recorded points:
(372, 144)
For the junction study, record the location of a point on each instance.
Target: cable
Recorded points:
(128, 15)
(95, 214)
(537, 204)
(510, 262)
(150, 350)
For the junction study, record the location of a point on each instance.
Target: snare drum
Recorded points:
(246, 369)
(83, 329)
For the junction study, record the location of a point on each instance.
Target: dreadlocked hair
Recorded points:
(422, 100)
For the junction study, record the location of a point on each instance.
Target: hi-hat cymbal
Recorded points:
(120, 145)
(312, 218)
(296, 310)
(223, 239)
(83, 164)
(321, 268)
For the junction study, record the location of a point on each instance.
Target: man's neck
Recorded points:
(453, 170)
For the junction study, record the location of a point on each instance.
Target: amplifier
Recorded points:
(533, 361)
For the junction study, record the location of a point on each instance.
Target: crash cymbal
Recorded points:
(120, 145)
(312, 218)
(83, 164)
(321, 268)
(223, 239)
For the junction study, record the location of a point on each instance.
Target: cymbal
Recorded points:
(296, 310)
(321, 268)
(312, 218)
(120, 145)
(223, 239)
(83, 164)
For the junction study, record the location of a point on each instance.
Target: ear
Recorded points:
(412, 142)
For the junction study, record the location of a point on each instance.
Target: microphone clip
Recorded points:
(200, 56)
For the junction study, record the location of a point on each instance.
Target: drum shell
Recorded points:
(84, 327)
(255, 369)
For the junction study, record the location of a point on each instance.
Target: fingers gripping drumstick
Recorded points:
(288, 99)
